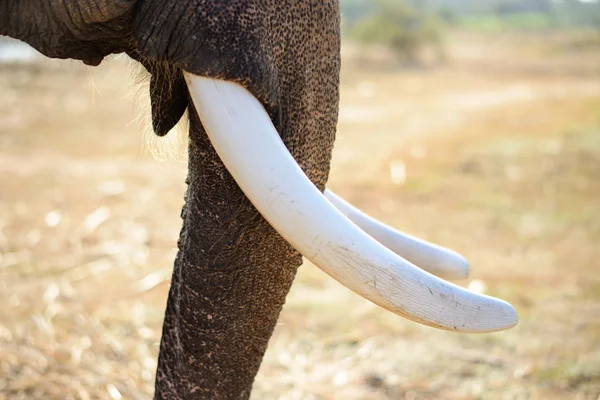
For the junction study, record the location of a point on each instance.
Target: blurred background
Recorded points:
(474, 124)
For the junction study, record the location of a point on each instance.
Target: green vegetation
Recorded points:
(497, 23)
(487, 16)
(407, 27)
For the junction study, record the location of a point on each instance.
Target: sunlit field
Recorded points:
(494, 153)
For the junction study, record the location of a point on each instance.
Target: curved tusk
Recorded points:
(251, 149)
(431, 257)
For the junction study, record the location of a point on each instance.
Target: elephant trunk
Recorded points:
(233, 270)
(231, 277)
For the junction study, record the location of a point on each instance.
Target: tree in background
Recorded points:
(396, 24)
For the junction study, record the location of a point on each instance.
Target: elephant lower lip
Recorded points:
(93, 62)
(168, 97)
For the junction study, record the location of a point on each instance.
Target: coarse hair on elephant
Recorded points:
(260, 81)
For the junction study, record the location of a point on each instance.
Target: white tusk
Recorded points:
(251, 149)
(433, 258)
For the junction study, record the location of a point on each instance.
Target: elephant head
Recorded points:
(260, 80)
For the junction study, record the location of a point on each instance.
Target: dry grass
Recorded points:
(497, 156)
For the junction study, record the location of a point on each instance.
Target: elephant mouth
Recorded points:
(363, 254)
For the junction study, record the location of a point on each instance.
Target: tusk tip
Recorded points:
(505, 317)
(512, 317)
(461, 267)
(451, 266)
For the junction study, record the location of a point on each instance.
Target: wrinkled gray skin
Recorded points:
(233, 271)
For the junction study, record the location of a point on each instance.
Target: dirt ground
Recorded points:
(495, 154)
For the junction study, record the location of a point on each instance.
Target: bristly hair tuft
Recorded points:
(171, 147)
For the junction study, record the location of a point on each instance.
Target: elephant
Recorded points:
(260, 80)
